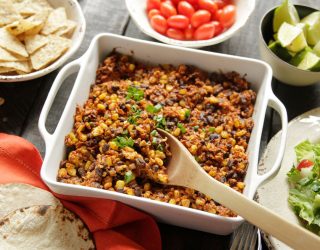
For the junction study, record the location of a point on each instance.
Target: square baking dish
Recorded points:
(257, 72)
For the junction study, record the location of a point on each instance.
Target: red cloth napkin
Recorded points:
(113, 224)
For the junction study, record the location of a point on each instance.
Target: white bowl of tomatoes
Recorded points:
(190, 23)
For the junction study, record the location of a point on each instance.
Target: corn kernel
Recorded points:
(241, 165)
(113, 97)
(241, 133)
(102, 96)
(176, 194)
(136, 83)
(182, 103)
(88, 164)
(132, 67)
(224, 134)
(169, 87)
(151, 153)
(114, 116)
(82, 137)
(113, 145)
(120, 184)
(112, 106)
(160, 154)
(108, 122)
(72, 171)
(62, 172)
(147, 186)
(212, 173)
(182, 91)
(200, 201)
(147, 194)
(172, 201)
(176, 132)
(100, 106)
(109, 161)
(97, 131)
(213, 100)
(163, 178)
(240, 185)
(185, 202)
(159, 161)
(130, 191)
(193, 149)
(219, 129)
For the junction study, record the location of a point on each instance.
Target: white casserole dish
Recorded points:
(258, 73)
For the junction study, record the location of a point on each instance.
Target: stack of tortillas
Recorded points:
(32, 218)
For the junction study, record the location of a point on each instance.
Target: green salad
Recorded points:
(304, 180)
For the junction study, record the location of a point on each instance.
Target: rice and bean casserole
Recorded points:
(114, 143)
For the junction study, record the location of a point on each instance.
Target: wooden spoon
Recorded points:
(184, 170)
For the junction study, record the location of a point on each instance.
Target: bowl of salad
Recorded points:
(290, 43)
(190, 23)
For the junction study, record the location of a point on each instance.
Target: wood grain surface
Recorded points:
(21, 103)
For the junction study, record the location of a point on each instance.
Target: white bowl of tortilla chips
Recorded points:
(37, 36)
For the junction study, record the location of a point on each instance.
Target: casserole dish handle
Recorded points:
(277, 105)
(66, 71)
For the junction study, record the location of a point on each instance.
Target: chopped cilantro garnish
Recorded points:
(129, 176)
(182, 128)
(196, 128)
(135, 114)
(154, 132)
(135, 93)
(161, 121)
(124, 141)
(153, 109)
(154, 141)
(187, 113)
(212, 129)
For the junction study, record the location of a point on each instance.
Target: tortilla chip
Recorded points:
(31, 7)
(50, 52)
(35, 42)
(21, 65)
(4, 70)
(39, 18)
(8, 14)
(56, 19)
(67, 29)
(11, 43)
(7, 56)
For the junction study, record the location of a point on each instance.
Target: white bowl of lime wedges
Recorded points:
(290, 43)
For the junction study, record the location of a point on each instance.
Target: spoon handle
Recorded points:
(292, 234)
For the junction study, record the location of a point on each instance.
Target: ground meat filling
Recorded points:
(114, 143)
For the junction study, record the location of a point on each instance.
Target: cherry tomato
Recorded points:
(192, 2)
(159, 24)
(220, 3)
(217, 28)
(305, 164)
(227, 15)
(186, 9)
(188, 32)
(209, 5)
(200, 17)
(153, 4)
(153, 12)
(204, 32)
(178, 21)
(175, 34)
(167, 9)
(175, 2)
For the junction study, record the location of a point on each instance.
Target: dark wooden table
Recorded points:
(21, 103)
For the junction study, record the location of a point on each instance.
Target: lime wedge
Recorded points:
(310, 62)
(304, 27)
(316, 49)
(286, 12)
(297, 59)
(281, 52)
(313, 31)
(291, 37)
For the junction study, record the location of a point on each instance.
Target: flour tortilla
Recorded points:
(44, 227)
(14, 196)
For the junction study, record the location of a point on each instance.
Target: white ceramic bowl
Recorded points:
(137, 10)
(74, 12)
(282, 70)
(258, 73)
